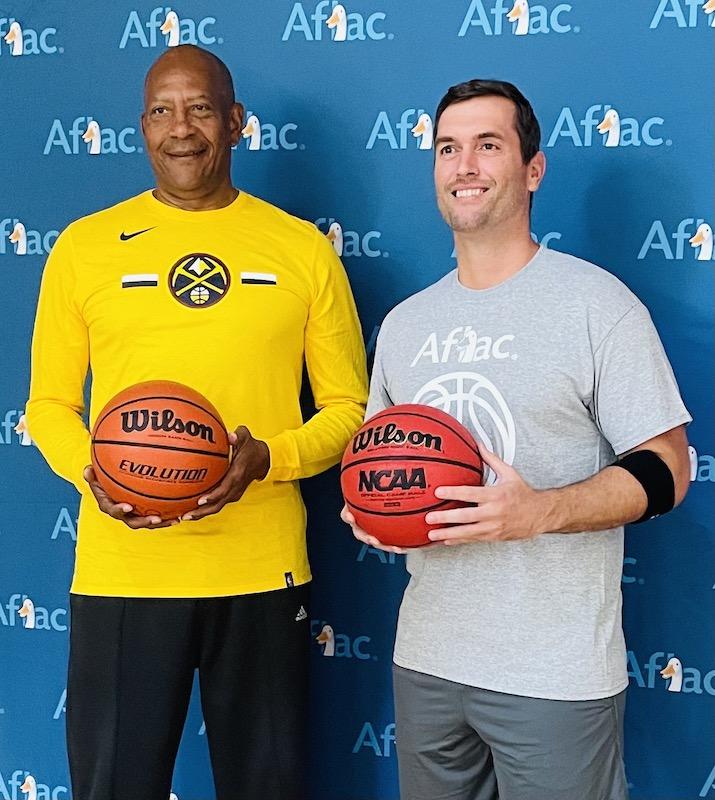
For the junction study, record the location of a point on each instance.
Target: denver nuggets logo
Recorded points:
(199, 280)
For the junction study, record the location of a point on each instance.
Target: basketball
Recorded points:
(394, 463)
(159, 446)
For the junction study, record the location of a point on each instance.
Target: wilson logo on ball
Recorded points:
(375, 436)
(166, 421)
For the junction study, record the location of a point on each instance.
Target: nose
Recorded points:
(468, 163)
(181, 126)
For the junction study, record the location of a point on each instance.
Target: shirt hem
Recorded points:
(537, 694)
(172, 592)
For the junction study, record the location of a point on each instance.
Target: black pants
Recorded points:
(131, 668)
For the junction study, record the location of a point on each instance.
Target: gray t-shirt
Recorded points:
(558, 369)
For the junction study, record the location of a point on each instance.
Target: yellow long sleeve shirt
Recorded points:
(231, 302)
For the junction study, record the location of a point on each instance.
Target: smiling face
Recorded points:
(189, 124)
(480, 178)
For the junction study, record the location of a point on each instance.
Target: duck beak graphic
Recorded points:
(668, 672)
(514, 14)
(699, 237)
(333, 21)
(419, 129)
(166, 26)
(605, 125)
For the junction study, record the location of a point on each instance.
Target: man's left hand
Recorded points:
(251, 460)
(508, 510)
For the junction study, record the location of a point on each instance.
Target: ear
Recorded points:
(536, 171)
(141, 124)
(235, 121)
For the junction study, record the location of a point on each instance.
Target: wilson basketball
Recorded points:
(395, 462)
(159, 446)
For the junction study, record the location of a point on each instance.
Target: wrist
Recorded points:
(263, 461)
(546, 511)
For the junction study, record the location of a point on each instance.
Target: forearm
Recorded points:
(608, 499)
(62, 438)
(316, 445)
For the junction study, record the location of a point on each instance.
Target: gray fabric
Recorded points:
(457, 742)
(557, 369)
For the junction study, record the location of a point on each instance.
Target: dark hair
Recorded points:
(527, 126)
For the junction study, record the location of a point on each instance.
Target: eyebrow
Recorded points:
(193, 99)
(476, 138)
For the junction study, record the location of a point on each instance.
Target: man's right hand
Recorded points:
(120, 511)
(365, 538)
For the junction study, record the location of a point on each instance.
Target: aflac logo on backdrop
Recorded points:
(167, 22)
(367, 738)
(413, 121)
(350, 243)
(688, 680)
(702, 468)
(14, 422)
(98, 139)
(25, 241)
(26, 41)
(709, 784)
(617, 131)
(20, 609)
(22, 781)
(694, 230)
(345, 26)
(265, 136)
(340, 645)
(527, 18)
(685, 13)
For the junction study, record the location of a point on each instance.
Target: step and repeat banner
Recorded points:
(341, 100)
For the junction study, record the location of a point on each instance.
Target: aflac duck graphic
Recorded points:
(335, 236)
(709, 8)
(339, 20)
(19, 238)
(520, 15)
(424, 129)
(93, 136)
(327, 637)
(252, 132)
(611, 124)
(14, 37)
(674, 671)
(704, 240)
(27, 612)
(170, 26)
(29, 787)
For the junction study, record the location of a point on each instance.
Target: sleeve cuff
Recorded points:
(283, 453)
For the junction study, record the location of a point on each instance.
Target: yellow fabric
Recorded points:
(245, 353)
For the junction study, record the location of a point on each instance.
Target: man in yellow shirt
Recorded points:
(225, 589)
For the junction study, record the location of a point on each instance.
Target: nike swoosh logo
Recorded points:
(125, 236)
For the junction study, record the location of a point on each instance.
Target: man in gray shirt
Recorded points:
(510, 662)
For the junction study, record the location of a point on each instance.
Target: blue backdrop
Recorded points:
(333, 143)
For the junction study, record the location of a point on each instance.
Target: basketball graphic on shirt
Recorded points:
(477, 403)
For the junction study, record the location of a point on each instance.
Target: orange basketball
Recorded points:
(395, 462)
(159, 446)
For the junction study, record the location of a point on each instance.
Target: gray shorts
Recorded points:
(456, 742)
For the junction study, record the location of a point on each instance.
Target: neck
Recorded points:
(215, 198)
(485, 260)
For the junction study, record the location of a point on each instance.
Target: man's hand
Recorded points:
(365, 538)
(120, 511)
(251, 460)
(511, 509)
